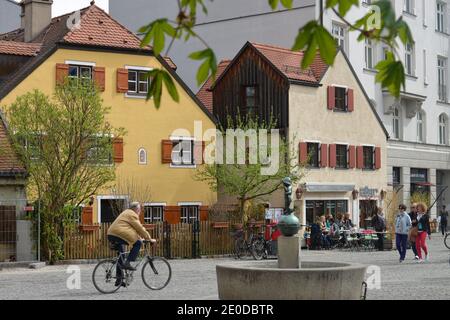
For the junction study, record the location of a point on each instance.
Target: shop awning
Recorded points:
(323, 187)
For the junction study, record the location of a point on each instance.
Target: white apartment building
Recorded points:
(418, 123)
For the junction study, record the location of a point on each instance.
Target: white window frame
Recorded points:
(139, 156)
(441, 20)
(442, 78)
(410, 53)
(425, 71)
(340, 37)
(188, 166)
(369, 53)
(420, 127)
(108, 197)
(396, 124)
(189, 204)
(443, 129)
(129, 94)
(155, 204)
(409, 6)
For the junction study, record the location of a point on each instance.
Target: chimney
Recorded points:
(36, 16)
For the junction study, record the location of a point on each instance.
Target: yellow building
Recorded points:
(43, 52)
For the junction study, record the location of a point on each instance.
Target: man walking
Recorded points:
(444, 220)
(412, 241)
(402, 226)
(379, 224)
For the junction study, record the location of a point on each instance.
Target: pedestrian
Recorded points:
(402, 226)
(347, 223)
(444, 220)
(379, 224)
(423, 228)
(413, 232)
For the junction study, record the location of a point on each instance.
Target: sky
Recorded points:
(64, 6)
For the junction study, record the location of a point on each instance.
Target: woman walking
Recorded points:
(424, 230)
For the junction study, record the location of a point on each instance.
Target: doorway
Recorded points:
(111, 208)
(367, 209)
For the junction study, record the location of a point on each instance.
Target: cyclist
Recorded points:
(128, 230)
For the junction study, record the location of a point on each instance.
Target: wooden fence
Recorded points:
(214, 239)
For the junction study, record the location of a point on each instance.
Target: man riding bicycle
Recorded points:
(128, 230)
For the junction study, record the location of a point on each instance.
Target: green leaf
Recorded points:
(202, 73)
(208, 67)
(287, 3)
(170, 86)
(391, 74)
(273, 4)
(156, 32)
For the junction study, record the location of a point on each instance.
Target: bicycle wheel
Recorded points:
(259, 249)
(156, 273)
(447, 240)
(104, 276)
(239, 248)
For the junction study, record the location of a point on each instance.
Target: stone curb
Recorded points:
(21, 265)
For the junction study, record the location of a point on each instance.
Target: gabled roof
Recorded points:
(287, 63)
(10, 165)
(19, 48)
(205, 94)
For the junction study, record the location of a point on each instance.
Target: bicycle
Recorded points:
(262, 248)
(243, 247)
(156, 272)
(447, 240)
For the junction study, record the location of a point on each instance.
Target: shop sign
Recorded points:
(367, 192)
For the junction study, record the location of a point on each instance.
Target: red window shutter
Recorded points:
(332, 162)
(172, 214)
(303, 152)
(331, 98)
(118, 150)
(204, 213)
(377, 158)
(87, 216)
(122, 80)
(323, 155)
(62, 72)
(351, 157)
(99, 78)
(360, 157)
(199, 149)
(166, 152)
(350, 100)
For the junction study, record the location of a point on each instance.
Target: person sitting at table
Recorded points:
(328, 222)
(347, 223)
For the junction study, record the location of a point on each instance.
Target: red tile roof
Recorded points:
(19, 48)
(289, 63)
(170, 63)
(9, 161)
(204, 94)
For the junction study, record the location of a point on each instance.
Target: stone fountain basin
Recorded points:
(263, 280)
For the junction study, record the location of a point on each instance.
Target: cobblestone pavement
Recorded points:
(196, 279)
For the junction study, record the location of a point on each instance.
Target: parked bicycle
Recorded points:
(243, 247)
(156, 271)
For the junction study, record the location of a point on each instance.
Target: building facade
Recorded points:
(157, 151)
(418, 122)
(326, 116)
(9, 15)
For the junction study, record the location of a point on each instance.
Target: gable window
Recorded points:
(313, 155)
(138, 82)
(142, 154)
(82, 74)
(339, 33)
(409, 59)
(189, 214)
(340, 99)
(368, 158)
(342, 156)
(369, 54)
(441, 9)
(183, 152)
(442, 78)
(443, 129)
(408, 6)
(396, 124)
(250, 99)
(153, 214)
